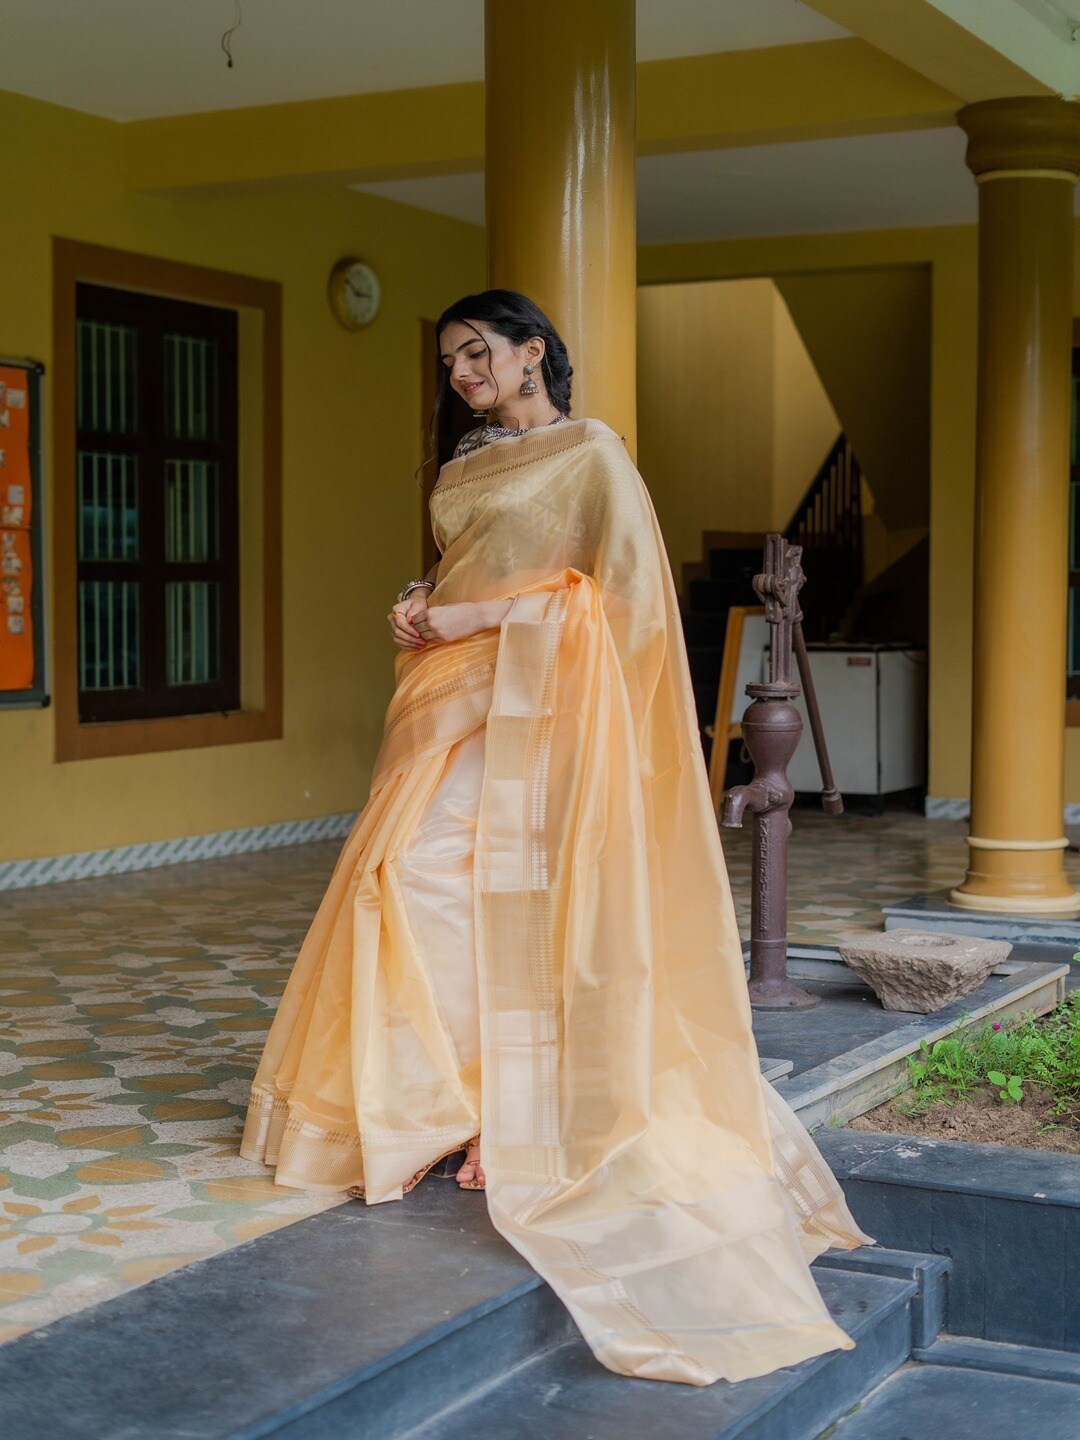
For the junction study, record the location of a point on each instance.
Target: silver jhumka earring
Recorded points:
(529, 385)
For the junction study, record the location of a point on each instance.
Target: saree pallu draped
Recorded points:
(633, 1152)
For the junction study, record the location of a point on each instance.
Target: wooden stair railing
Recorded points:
(828, 525)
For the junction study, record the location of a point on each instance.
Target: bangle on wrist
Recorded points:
(413, 585)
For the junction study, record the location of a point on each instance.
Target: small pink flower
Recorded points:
(997, 1027)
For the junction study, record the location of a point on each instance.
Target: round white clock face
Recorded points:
(361, 293)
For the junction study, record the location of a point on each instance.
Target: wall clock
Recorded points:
(354, 293)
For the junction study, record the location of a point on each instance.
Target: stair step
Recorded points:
(357, 1316)
(1008, 1218)
(568, 1394)
(964, 1353)
(930, 1274)
(375, 1320)
(969, 1404)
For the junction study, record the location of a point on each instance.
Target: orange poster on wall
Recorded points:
(16, 572)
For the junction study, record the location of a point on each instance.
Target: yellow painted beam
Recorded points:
(978, 49)
(390, 134)
(698, 102)
(785, 92)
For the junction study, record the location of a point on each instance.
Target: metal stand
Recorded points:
(771, 730)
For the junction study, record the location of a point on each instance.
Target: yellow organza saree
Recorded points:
(558, 966)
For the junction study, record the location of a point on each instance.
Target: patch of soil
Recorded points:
(982, 1117)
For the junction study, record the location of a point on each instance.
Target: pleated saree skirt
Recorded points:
(431, 879)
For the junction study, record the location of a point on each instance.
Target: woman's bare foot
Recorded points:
(471, 1175)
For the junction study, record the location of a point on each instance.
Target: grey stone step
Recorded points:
(925, 1400)
(373, 1313)
(566, 1393)
(929, 1273)
(964, 1353)
(373, 1320)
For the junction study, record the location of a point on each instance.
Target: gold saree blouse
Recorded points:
(634, 1154)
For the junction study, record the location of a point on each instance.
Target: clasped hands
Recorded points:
(414, 623)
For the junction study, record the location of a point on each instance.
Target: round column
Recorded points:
(1025, 155)
(560, 184)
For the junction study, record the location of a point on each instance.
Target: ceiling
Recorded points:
(858, 182)
(132, 59)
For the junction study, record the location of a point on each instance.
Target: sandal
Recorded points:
(472, 1163)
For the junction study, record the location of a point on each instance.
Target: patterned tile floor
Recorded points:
(133, 1010)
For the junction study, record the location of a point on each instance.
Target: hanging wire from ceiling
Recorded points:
(226, 38)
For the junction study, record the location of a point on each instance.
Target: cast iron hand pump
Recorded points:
(771, 730)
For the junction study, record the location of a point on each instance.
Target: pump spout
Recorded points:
(757, 797)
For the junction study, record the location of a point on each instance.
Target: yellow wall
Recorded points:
(351, 507)
(950, 252)
(805, 422)
(868, 332)
(733, 421)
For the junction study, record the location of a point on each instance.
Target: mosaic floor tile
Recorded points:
(132, 1013)
(133, 1010)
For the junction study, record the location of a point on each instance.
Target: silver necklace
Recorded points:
(498, 432)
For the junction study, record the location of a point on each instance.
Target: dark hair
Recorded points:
(517, 318)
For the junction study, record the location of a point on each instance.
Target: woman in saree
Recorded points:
(528, 941)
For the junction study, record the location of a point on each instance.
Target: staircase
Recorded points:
(416, 1321)
(827, 523)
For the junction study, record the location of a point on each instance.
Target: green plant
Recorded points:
(1008, 1054)
(1014, 1086)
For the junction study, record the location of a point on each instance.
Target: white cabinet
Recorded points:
(872, 700)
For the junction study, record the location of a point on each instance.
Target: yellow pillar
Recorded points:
(1025, 155)
(560, 184)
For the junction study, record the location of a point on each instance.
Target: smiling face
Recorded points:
(484, 367)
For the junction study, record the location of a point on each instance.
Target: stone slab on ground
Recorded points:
(923, 970)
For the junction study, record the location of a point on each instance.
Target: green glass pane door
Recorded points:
(192, 631)
(106, 391)
(108, 506)
(191, 387)
(109, 606)
(108, 634)
(192, 512)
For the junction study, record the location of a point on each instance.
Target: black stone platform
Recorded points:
(936, 912)
(1007, 1219)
